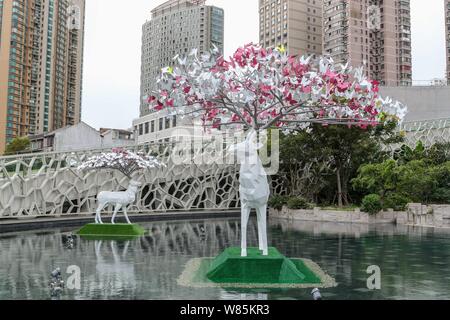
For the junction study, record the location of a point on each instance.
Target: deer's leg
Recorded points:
(245, 214)
(262, 215)
(98, 214)
(260, 227)
(98, 246)
(125, 212)
(116, 210)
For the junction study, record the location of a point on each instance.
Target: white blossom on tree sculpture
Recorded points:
(262, 88)
(126, 162)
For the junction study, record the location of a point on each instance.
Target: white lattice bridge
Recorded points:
(49, 184)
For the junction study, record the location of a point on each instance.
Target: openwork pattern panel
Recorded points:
(50, 184)
(429, 132)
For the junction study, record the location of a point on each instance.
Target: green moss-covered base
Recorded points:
(230, 267)
(230, 270)
(109, 231)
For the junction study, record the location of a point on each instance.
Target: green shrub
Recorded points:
(396, 201)
(298, 203)
(277, 202)
(372, 204)
(417, 180)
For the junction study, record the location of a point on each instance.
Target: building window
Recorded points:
(167, 122)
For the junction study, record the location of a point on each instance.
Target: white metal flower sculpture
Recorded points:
(128, 163)
(262, 88)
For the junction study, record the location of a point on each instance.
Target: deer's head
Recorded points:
(136, 184)
(247, 151)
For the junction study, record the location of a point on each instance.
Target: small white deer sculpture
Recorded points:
(254, 189)
(118, 199)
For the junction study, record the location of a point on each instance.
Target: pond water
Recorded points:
(414, 262)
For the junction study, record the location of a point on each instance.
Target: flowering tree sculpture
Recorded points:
(122, 160)
(126, 162)
(261, 88)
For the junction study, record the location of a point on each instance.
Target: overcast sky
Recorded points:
(113, 44)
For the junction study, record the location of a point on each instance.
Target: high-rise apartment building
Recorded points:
(41, 58)
(294, 24)
(176, 27)
(374, 33)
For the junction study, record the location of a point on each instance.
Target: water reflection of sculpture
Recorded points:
(196, 239)
(116, 274)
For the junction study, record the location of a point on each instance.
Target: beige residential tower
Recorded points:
(373, 33)
(41, 58)
(294, 24)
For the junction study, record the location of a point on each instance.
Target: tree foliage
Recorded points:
(420, 177)
(319, 163)
(18, 145)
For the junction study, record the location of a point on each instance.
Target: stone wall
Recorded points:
(322, 215)
(437, 216)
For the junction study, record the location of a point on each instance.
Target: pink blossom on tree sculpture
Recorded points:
(262, 88)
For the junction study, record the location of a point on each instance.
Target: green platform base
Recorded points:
(230, 270)
(109, 231)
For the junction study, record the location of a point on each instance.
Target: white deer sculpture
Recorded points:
(118, 199)
(254, 189)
